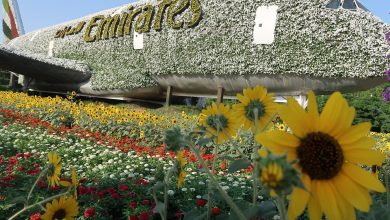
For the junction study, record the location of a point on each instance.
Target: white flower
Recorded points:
(198, 196)
(171, 192)
(192, 189)
(184, 189)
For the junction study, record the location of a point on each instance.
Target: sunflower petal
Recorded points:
(363, 143)
(273, 140)
(363, 178)
(355, 133)
(295, 117)
(367, 157)
(333, 113)
(345, 207)
(327, 200)
(299, 199)
(356, 195)
(313, 110)
(315, 211)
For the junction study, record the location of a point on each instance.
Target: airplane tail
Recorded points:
(12, 22)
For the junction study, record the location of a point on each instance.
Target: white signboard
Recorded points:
(138, 41)
(265, 24)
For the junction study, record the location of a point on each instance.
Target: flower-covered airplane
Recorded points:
(197, 46)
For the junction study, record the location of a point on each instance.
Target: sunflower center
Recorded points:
(217, 122)
(250, 110)
(320, 156)
(51, 170)
(59, 214)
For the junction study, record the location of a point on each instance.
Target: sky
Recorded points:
(37, 14)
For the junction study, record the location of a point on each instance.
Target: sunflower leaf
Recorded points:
(238, 165)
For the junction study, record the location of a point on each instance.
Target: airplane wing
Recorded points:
(41, 67)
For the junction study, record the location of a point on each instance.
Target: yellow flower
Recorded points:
(182, 174)
(220, 122)
(54, 171)
(256, 98)
(271, 175)
(282, 127)
(64, 208)
(328, 149)
(74, 182)
(73, 93)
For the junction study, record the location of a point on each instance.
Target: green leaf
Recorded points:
(204, 141)
(238, 165)
(18, 200)
(194, 214)
(159, 207)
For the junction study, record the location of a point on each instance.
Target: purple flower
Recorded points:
(388, 37)
(388, 74)
(386, 95)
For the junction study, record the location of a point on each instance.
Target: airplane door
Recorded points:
(265, 24)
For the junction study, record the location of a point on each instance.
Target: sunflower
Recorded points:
(219, 121)
(271, 175)
(256, 98)
(329, 150)
(182, 174)
(281, 127)
(74, 182)
(54, 171)
(64, 208)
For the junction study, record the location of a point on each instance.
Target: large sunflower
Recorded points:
(64, 208)
(54, 171)
(256, 98)
(220, 122)
(329, 150)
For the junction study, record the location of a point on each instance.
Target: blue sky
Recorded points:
(43, 13)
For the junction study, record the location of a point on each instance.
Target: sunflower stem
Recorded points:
(226, 197)
(255, 156)
(37, 204)
(210, 201)
(166, 180)
(282, 206)
(35, 184)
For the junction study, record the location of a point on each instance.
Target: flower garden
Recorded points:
(65, 158)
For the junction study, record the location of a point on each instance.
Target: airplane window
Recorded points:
(349, 4)
(335, 4)
(346, 4)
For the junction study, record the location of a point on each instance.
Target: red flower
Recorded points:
(223, 165)
(36, 216)
(83, 190)
(19, 155)
(201, 202)
(27, 155)
(145, 202)
(115, 195)
(134, 217)
(215, 211)
(123, 187)
(89, 212)
(41, 183)
(144, 216)
(179, 214)
(133, 205)
(20, 168)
